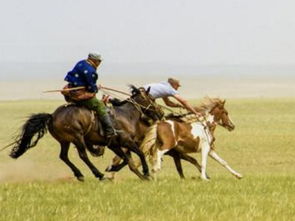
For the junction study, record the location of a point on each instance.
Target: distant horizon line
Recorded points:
(155, 63)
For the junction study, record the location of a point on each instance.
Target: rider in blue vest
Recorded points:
(84, 74)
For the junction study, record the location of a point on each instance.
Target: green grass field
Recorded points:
(39, 186)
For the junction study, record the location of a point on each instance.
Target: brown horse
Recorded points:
(77, 125)
(220, 118)
(189, 136)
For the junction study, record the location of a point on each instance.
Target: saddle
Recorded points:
(76, 95)
(94, 118)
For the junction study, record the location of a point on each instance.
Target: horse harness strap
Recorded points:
(92, 122)
(136, 105)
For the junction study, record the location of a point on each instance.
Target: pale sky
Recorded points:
(192, 32)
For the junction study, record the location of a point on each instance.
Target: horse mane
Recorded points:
(176, 117)
(117, 102)
(134, 90)
(208, 103)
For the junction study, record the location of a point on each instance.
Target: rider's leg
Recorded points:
(99, 107)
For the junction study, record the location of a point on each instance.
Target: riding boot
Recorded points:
(108, 127)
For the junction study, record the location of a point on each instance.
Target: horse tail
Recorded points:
(148, 145)
(36, 126)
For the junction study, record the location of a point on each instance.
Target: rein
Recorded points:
(138, 106)
(124, 93)
(6, 146)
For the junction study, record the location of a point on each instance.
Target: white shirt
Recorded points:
(161, 90)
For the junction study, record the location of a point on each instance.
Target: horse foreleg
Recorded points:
(126, 160)
(216, 157)
(81, 147)
(133, 147)
(183, 156)
(95, 150)
(115, 161)
(64, 157)
(116, 164)
(205, 152)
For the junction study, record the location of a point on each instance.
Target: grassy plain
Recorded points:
(38, 186)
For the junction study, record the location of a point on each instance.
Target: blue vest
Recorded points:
(83, 74)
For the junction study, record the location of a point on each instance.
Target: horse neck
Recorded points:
(209, 117)
(128, 110)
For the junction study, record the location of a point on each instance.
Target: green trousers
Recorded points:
(96, 105)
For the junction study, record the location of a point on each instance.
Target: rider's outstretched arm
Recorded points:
(186, 105)
(169, 103)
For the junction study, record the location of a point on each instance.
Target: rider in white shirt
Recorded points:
(168, 89)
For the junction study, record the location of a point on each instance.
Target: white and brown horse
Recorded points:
(190, 136)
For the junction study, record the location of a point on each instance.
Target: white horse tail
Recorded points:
(148, 146)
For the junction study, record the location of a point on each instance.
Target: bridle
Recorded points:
(220, 121)
(141, 108)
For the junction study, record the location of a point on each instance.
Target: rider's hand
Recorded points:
(199, 115)
(106, 98)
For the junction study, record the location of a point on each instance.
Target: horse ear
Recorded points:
(148, 90)
(133, 89)
(223, 102)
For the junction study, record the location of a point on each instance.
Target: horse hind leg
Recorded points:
(191, 160)
(81, 147)
(64, 157)
(177, 162)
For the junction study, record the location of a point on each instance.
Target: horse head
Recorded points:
(146, 103)
(215, 107)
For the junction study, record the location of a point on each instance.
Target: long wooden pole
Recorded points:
(67, 89)
(111, 89)
(82, 87)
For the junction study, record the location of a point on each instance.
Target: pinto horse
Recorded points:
(188, 135)
(80, 126)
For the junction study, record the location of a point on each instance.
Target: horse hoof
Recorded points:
(205, 179)
(109, 169)
(155, 170)
(147, 178)
(102, 178)
(80, 178)
(105, 179)
(239, 176)
(97, 151)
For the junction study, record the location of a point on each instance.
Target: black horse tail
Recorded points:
(36, 126)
